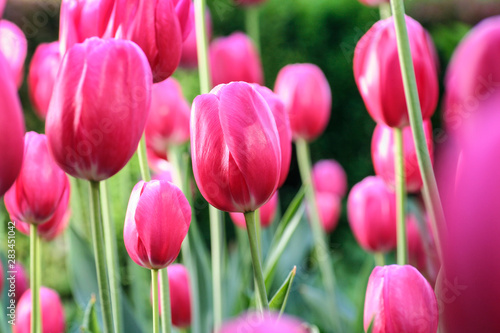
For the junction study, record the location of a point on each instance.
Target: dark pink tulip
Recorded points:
(189, 57)
(383, 155)
(329, 176)
(82, 19)
(11, 127)
(99, 107)
(371, 210)
(180, 295)
(267, 212)
(42, 76)
(236, 148)
(21, 279)
(14, 46)
(234, 58)
(399, 299)
(283, 124)
(373, 2)
(329, 208)
(41, 186)
(268, 323)
(308, 100)
(157, 221)
(168, 121)
(378, 74)
(51, 308)
(473, 75)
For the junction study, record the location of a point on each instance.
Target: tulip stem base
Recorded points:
(430, 189)
(252, 25)
(379, 259)
(166, 314)
(100, 256)
(143, 159)
(216, 247)
(155, 301)
(35, 280)
(385, 10)
(321, 248)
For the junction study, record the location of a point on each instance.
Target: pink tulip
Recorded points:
(268, 323)
(383, 155)
(168, 121)
(157, 221)
(42, 76)
(180, 295)
(399, 299)
(416, 249)
(13, 46)
(378, 74)
(21, 279)
(329, 176)
(99, 107)
(12, 129)
(283, 124)
(234, 58)
(267, 213)
(308, 100)
(473, 75)
(41, 186)
(371, 210)
(329, 208)
(373, 2)
(189, 57)
(51, 309)
(236, 148)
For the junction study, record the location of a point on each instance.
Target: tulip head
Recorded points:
(329, 208)
(234, 58)
(329, 176)
(378, 73)
(157, 221)
(235, 147)
(99, 107)
(308, 100)
(267, 323)
(371, 210)
(180, 295)
(399, 299)
(267, 213)
(51, 309)
(14, 47)
(40, 187)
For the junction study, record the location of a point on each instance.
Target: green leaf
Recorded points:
(279, 299)
(290, 213)
(90, 323)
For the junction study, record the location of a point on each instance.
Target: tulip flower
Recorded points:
(52, 312)
(42, 76)
(267, 213)
(378, 73)
(329, 176)
(329, 208)
(267, 323)
(159, 27)
(473, 74)
(11, 127)
(41, 186)
(399, 299)
(235, 58)
(157, 221)
(189, 56)
(236, 148)
(14, 46)
(21, 279)
(99, 107)
(168, 121)
(306, 93)
(383, 155)
(371, 211)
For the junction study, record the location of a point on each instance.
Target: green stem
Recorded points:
(379, 259)
(216, 247)
(321, 247)
(34, 280)
(399, 175)
(385, 10)
(143, 159)
(100, 256)
(166, 314)
(430, 190)
(257, 266)
(202, 46)
(252, 25)
(156, 307)
(112, 262)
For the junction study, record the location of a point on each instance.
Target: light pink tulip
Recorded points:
(329, 176)
(267, 212)
(268, 323)
(14, 46)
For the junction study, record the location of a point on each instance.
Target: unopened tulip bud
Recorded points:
(13, 46)
(329, 176)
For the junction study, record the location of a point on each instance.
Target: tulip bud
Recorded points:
(267, 323)
(306, 93)
(189, 56)
(371, 210)
(14, 46)
(11, 127)
(378, 73)
(383, 155)
(373, 2)
(41, 186)
(234, 58)
(51, 309)
(99, 107)
(21, 280)
(235, 147)
(180, 295)
(157, 221)
(329, 208)
(168, 121)
(329, 176)
(399, 299)
(267, 213)
(42, 76)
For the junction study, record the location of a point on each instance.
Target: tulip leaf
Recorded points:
(278, 302)
(290, 212)
(90, 323)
